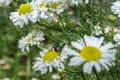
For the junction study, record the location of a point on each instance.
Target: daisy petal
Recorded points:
(76, 61)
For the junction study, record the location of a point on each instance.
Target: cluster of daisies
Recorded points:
(115, 8)
(36, 9)
(91, 52)
(5, 2)
(98, 31)
(88, 52)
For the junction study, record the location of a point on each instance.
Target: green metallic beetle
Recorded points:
(58, 46)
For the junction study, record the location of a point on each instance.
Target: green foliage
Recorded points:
(75, 22)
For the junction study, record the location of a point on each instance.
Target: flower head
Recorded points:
(116, 8)
(49, 59)
(26, 12)
(93, 54)
(57, 6)
(56, 77)
(98, 30)
(116, 38)
(79, 1)
(46, 7)
(33, 38)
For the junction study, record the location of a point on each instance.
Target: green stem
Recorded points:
(83, 76)
(70, 71)
(96, 75)
(28, 66)
(14, 77)
(81, 20)
(49, 27)
(101, 17)
(37, 47)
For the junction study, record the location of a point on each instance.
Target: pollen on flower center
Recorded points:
(24, 9)
(42, 5)
(30, 39)
(50, 56)
(90, 53)
(55, 5)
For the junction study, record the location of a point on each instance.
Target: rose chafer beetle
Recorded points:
(58, 46)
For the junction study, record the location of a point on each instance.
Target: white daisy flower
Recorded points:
(5, 78)
(115, 8)
(56, 77)
(35, 78)
(41, 6)
(117, 30)
(26, 12)
(18, 20)
(107, 29)
(50, 59)
(79, 1)
(86, 1)
(116, 37)
(5, 2)
(93, 54)
(33, 38)
(57, 6)
(98, 30)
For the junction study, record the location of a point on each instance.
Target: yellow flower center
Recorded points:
(50, 56)
(55, 5)
(42, 5)
(90, 53)
(24, 9)
(30, 39)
